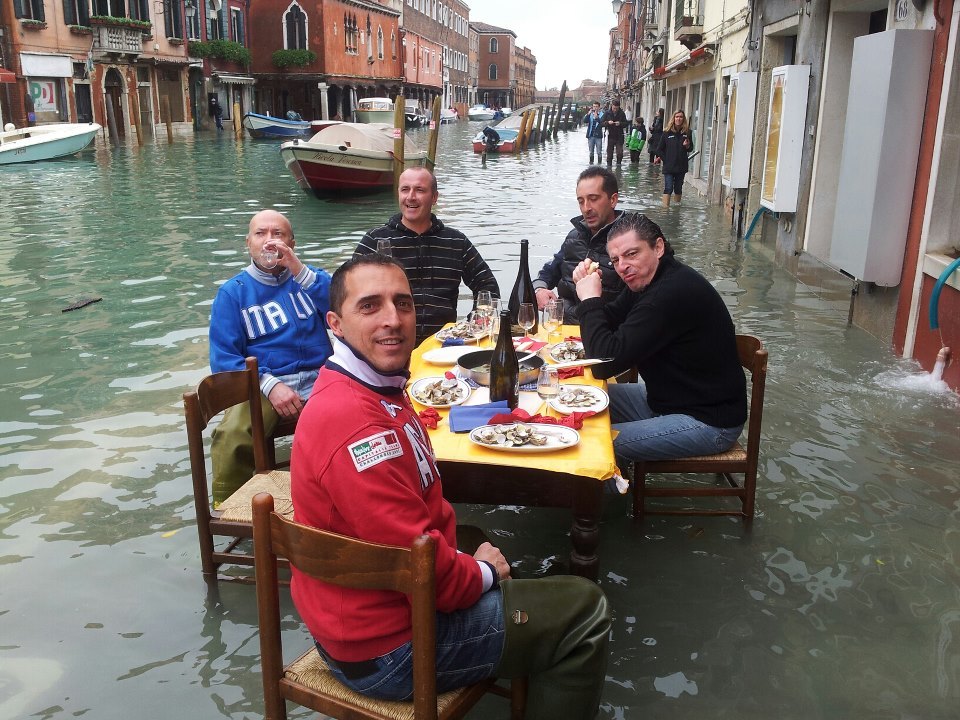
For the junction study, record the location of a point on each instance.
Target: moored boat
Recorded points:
(348, 158)
(374, 110)
(44, 142)
(414, 115)
(265, 126)
(448, 115)
(498, 140)
(480, 112)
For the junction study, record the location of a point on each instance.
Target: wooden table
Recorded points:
(570, 478)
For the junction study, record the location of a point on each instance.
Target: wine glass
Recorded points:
(384, 248)
(527, 317)
(483, 309)
(493, 324)
(548, 383)
(269, 256)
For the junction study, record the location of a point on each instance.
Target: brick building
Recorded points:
(497, 82)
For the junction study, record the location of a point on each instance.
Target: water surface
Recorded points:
(843, 601)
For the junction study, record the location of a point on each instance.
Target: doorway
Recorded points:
(113, 96)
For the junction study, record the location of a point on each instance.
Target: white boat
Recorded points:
(44, 142)
(348, 158)
(480, 112)
(374, 110)
(448, 115)
(265, 126)
(414, 115)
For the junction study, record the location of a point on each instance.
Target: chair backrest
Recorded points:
(753, 357)
(214, 394)
(351, 563)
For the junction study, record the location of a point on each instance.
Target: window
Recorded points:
(493, 45)
(380, 43)
(393, 44)
(139, 9)
(295, 28)
(173, 18)
(193, 21)
(75, 12)
(214, 28)
(351, 35)
(492, 75)
(236, 25)
(29, 9)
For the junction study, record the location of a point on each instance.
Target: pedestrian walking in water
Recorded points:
(217, 111)
(656, 130)
(616, 124)
(595, 132)
(675, 143)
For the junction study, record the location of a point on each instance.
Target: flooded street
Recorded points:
(842, 602)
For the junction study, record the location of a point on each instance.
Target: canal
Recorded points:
(842, 602)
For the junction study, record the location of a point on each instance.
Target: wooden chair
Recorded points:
(738, 459)
(352, 563)
(233, 518)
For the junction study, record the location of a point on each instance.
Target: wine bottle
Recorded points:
(504, 368)
(523, 291)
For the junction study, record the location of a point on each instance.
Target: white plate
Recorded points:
(558, 438)
(447, 355)
(464, 388)
(601, 400)
(555, 359)
(445, 334)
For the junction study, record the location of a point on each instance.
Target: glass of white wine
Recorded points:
(548, 384)
(553, 320)
(527, 317)
(493, 324)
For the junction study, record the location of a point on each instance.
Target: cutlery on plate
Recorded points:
(584, 363)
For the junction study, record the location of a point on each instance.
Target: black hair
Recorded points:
(338, 284)
(645, 228)
(610, 184)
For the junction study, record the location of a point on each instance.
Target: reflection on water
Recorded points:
(843, 602)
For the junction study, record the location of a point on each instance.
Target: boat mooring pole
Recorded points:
(237, 126)
(135, 104)
(398, 158)
(563, 95)
(434, 134)
(111, 120)
(165, 109)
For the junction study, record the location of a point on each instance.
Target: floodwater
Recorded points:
(842, 602)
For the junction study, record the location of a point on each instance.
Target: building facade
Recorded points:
(497, 83)
(526, 75)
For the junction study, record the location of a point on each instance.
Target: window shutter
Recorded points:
(69, 12)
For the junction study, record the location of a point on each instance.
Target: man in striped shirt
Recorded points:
(435, 257)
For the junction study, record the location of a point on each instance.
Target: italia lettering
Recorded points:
(302, 305)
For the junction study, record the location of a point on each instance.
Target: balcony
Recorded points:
(651, 18)
(688, 23)
(116, 40)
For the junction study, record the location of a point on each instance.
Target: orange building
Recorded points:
(497, 82)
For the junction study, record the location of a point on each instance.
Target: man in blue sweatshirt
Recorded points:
(275, 311)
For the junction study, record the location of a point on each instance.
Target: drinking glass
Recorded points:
(527, 316)
(553, 320)
(493, 323)
(485, 302)
(269, 257)
(548, 383)
(383, 247)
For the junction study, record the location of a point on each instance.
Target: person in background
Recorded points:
(597, 195)
(638, 136)
(673, 146)
(594, 122)
(656, 131)
(217, 111)
(671, 324)
(436, 257)
(274, 310)
(616, 125)
(363, 466)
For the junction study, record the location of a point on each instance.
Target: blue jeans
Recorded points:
(595, 143)
(469, 646)
(673, 183)
(644, 435)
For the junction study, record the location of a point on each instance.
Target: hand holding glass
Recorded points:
(269, 256)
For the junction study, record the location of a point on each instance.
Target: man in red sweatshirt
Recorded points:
(363, 466)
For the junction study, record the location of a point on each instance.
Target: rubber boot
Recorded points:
(231, 448)
(556, 633)
(676, 199)
(666, 200)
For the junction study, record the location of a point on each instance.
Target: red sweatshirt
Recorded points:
(363, 466)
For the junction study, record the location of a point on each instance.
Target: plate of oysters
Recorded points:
(567, 351)
(580, 398)
(525, 437)
(464, 330)
(440, 392)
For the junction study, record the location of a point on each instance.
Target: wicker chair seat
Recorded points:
(237, 507)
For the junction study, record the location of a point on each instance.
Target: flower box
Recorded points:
(175, 41)
(80, 30)
(33, 24)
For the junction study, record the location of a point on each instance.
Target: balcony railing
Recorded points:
(651, 16)
(117, 40)
(688, 22)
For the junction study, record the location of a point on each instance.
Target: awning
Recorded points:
(6, 76)
(234, 79)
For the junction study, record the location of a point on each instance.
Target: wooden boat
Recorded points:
(44, 142)
(347, 158)
(480, 112)
(448, 115)
(265, 126)
(374, 110)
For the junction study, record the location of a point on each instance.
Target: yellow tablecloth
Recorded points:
(592, 457)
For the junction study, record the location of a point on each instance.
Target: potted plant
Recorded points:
(28, 24)
(80, 29)
(293, 58)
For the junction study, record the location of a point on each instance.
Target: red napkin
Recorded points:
(573, 338)
(534, 344)
(566, 373)
(429, 417)
(574, 420)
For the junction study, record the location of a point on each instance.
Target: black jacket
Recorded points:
(579, 244)
(615, 132)
(672, 153)
(679, 335)
(436, 262)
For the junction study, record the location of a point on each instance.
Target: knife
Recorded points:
(582, 363)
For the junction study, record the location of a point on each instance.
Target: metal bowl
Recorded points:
(471, 361)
